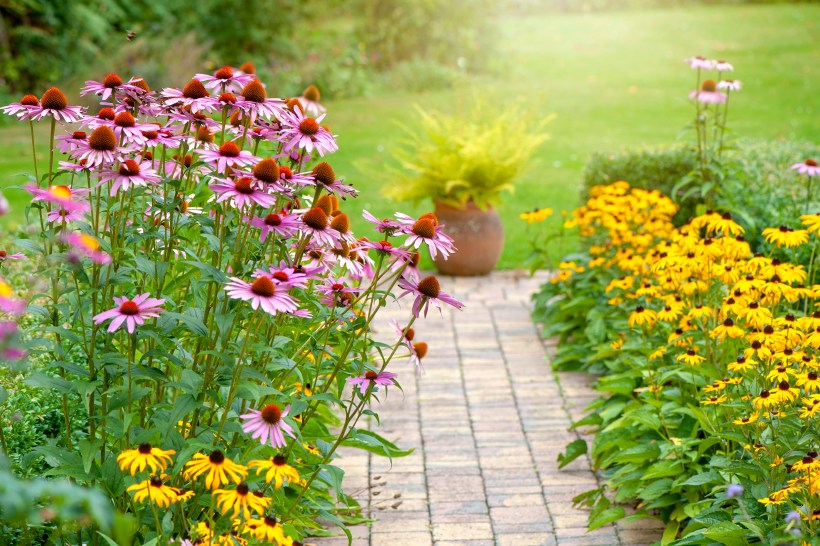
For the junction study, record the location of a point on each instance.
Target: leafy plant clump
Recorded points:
(193, 319)
(456, 159)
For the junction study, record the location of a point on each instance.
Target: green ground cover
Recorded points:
(614, 80)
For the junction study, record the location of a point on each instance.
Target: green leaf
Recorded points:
(638, 454)
(727, 533)
(703, 478)
(574, 450)
(670, 533)
(613, 513)
(373, 443)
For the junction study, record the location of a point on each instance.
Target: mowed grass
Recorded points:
(613, 80)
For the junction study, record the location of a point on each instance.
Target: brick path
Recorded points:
(487, 421)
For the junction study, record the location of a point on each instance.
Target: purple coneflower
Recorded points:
(104, 89)
(85, 245)
(386, 248)
(262, 292)
(283, 224)
(426, 230)
(268, 425)
(700, 63)
(427, 291)
(808, 167)
(8, 303)
(193, 95)
(325, 178)
(336, 292)
(127, 129)
(316, 223)
(54, 103)
(70, 142)
(156, 135)
(305, 133)
(25, 109)
(708, 93)
(386, 226)
(68, 198)
(131, 312)
(729, 85)
(129, 173)
(227, 155)
(100, 148)
(6, 256)
(723, 66)
(242, 192)
(255, 103)
(64, 216)
(226, 78)
(372, 378)
(310, 101)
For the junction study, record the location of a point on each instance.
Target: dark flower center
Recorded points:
(709, 86)
(280, 460)
(420, 348)
(429, 287)
(103, 139)
(424, 227)
(409, 334)
(281, 276)
(242, 489)
(129, 308)
(811, 162)
(315, 218)
(227, 98)
(254, 91)
(244, 186)
(309, 127)
(156, 481)
(271, 413)
(324, 174)
(783, 385)
(311, 93)
(194, 90)
(248, 68)
(267, 170)
(273, 220)
(54, 99)
(79, 135)
(270, 521)
(216, 457)
(145, 448)
(371, 375)
(229, 149)
(263, 286)
(111, 81)
(129, 167)
(29, 100)
(224, 73)
(341, 223)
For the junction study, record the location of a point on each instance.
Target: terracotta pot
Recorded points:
(478, 235)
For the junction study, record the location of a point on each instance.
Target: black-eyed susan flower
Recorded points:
(278, 470)
(780, 373)
(785, 392)
(642, 316)
(810, 409)
(144, 456)
(785, 236)
(741, 364)
(765, 400)
(218, 469)
(154, 490)
(713, 400)
(241, 501)
(267, 529)
(536, 215)
(691, 358)
(727, 329)
(747, 419)
(723, 224)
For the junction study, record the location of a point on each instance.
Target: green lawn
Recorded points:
(615, 80)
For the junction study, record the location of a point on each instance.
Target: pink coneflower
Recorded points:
(808, 167)
(336, 292)
(70, 142)
(242, 192)
(708, 93)
(227, 155)
(54, 103)
(5, 207)
(305, 133)
(386, 248)
(100, 149)
(255, 103)
(104, 89)
(284, 225)
(266, 175)
(155, 135)
(6, 256)
(325, 178)
(700, 63)
(68, 198)
(387, 226)
(317, 224)
(310, 101)
(128, 130)
(372, 378)
(268, 425)
(426, 230)
(64, 216)
(298, 180)
(286, 277)
(723, 66)
(8, 303)
(262, 293)
(193, 95)
(226, 78)
(409, 267)
(427, 291)
(729, 85)
(25, 109)
(131, 312)
(129, 173)
(85, 245)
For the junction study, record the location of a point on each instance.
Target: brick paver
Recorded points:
(487, 421)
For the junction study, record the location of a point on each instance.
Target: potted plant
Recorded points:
(464, 163)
